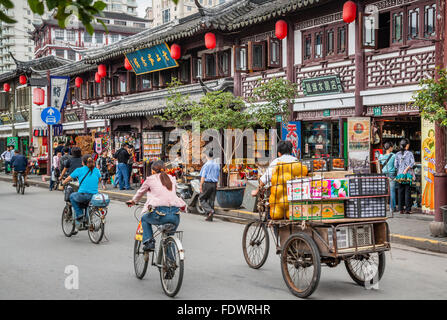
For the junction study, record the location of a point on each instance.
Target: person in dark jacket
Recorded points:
(72, 163)
(19, 163)
(122, 171)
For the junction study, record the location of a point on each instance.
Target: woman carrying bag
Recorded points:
(404, 163)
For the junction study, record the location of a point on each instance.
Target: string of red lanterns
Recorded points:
(349, 11)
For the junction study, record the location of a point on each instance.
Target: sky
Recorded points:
(142, 5)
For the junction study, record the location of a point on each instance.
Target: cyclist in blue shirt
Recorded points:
(19, 163)
(89, 177)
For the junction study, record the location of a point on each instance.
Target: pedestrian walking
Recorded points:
(102, 163)
(387, 164)
(59, 147)
(55, 169)
(6, 157)
(130, 162)
(122, 171)
(208, 185)
(404, 162)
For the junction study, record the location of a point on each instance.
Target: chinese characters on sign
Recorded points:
(322, 85)
(151, 59)
(291, 131)
(59, 90)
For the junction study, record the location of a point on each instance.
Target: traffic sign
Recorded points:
(50, 115)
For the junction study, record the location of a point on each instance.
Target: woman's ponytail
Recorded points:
(158, 167)
(87, 160)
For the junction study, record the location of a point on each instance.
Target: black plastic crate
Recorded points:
(366, 207)
(367, 185)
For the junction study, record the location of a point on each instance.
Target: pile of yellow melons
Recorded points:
(283, 172)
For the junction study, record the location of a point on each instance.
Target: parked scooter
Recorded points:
(190, 193)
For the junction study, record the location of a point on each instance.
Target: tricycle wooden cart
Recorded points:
(304, 246)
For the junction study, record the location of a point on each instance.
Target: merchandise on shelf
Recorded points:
(152, 145)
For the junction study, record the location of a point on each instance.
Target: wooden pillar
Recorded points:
(359, 63)
(290, 59)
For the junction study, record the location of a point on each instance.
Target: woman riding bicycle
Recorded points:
(88, 176)
(161, 196)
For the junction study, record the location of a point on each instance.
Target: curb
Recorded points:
(242, 217)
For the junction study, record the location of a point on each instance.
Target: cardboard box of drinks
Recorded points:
(322, 210)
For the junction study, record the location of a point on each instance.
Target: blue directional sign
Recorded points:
(50, 116)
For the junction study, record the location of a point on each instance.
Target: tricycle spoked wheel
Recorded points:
(96, 227)
(365, 268)
(140, 259)
(300, 264)
(68, 224)
(255, 244)
(171, 271)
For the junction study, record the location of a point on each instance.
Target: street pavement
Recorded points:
(34, 254)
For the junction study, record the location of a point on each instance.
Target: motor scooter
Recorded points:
(190, 193)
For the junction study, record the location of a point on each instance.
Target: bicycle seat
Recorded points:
(168, 227)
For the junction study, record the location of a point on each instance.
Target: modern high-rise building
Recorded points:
(166, 10)
(16, 38)
(121, 6)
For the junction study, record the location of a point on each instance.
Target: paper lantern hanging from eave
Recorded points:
(281, 29)
(22, 79)
(38, 96)
(176, 51)
(78, 82)
(6, 87)
(127, 64)
(210, 40)
(102, 70)
(97, 77)
(349, 11)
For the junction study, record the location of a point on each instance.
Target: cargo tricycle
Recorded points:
(305, 239)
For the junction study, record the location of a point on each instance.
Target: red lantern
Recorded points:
(102, 70)
(127, 64)
(22, 79)
(38, 96)
(281, 29)
(78, 82)
(210, 40)
(176, 51)
(349, 11)
(6, 87)
(97, 77)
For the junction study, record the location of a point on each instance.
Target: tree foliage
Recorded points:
(61, 10)
(274, 97)
(431, 98)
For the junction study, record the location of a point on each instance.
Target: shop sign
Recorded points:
(322, 85)
(71, 117)
(428, 164)
(291, 131)
(5, 119)
(359, 138)
(278, 118)
(151, 59)
(327, 113)
(377, 111)
(13, 141)
(59, 90)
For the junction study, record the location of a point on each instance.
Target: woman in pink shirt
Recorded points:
(161, 196)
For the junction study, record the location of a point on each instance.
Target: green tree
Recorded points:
(271, 98)
(431, 98)
(84, 10)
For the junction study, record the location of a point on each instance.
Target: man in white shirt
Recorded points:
(284, 150)
(7, 156)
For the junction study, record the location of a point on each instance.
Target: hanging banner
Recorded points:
(428, 163)
(58, 90)
(358, 144)
(151, 59)
(98, 145)
(291, 131)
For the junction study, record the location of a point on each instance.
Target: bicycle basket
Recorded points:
(100, 200)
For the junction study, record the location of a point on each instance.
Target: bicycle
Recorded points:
(168, 257)
(93, 222)
(20, 184)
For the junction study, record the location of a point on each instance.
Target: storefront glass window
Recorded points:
(320, 139)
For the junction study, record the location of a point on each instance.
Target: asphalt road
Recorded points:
(34, 254)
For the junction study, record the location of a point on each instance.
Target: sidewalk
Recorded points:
(411, 230)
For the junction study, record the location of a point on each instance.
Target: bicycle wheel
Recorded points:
(171, 272)
(366, 267)
(140, 259)
(300, 264)
(68, 224)
(18, 184)
(255, 244)
(96, 227)
(22, 185)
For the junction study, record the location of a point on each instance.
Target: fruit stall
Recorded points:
(320, 217)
